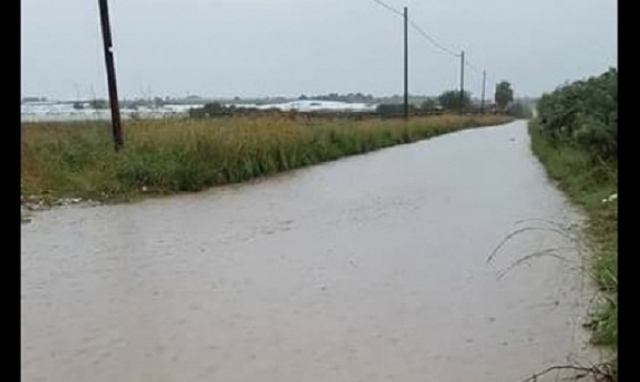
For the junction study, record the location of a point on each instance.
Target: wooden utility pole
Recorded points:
(111, 75)
(484, 81)
(406, 63)
(462, 81)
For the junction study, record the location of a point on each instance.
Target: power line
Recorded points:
(492, 78)
(417, 28)
(470, 65)
(445, 49)
(489, 76)
(389, 8)
(432, 40)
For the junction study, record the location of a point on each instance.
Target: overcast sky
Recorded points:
(227, 48)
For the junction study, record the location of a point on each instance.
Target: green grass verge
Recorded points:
(167, 156)
(588, 182)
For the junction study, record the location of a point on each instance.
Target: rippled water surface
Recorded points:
(370, 268)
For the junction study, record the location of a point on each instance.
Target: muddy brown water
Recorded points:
(370, 268)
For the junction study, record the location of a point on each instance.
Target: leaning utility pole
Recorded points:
(462, 81)
(406, 64)
(111, 75)
(484, 82)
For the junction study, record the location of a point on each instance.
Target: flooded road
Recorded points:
(370, 268)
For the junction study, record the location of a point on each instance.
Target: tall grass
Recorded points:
(164, 156)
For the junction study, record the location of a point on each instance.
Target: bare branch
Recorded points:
(600, 372)
(547, 252)
(519, 231)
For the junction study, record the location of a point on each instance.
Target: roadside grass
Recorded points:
(590, 183)
(167, 156)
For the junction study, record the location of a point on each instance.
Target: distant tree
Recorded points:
(451, 100)
(214, 109)
(99, 104)
(158, 102)
(387, 109)
(393, 109)
(504, 95)
(303, 97)
(78, 106)
(429, 105)
(520, 109)
(34, 99)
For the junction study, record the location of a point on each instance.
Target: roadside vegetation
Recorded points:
(575, 136)
(166, 156)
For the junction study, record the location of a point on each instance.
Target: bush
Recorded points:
(585, 114)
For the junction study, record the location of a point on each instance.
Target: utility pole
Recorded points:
(406, 64)
(461, 82)
(484, 81)
(111, 75)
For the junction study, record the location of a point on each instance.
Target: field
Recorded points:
(77, 159)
